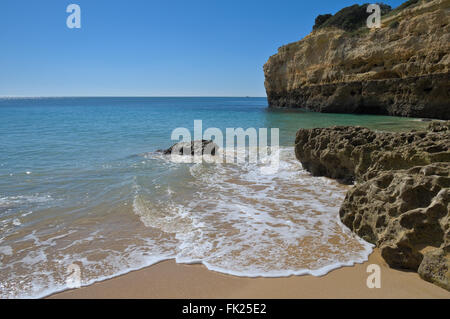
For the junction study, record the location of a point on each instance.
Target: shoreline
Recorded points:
(170, 280)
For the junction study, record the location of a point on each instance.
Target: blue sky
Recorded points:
(149, 48)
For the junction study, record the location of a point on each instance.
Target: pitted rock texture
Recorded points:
(401, 200)
(402, 70)
(435, 267)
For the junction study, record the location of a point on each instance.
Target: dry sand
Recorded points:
(171, 280)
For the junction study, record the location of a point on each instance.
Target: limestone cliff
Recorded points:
(399, 69)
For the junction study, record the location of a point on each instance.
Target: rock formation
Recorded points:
(401, 200)
(356, 153)
(203, 147)
(399, 69)
(406, 214)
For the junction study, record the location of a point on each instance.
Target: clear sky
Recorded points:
(147, 47)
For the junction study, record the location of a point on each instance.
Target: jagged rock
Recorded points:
(355, 153)
(403, 71)
(401, 201)
(403, 212)
(435, 268)
(437, 126)
(330, 151)
(199, 147)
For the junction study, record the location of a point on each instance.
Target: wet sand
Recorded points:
(171, 280)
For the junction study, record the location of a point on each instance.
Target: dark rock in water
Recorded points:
(330, 151)
(199, 147)
(401, 201)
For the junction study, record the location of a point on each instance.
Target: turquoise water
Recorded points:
(80, 184)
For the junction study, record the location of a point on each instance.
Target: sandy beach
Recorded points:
(225, 150)
(171, 280)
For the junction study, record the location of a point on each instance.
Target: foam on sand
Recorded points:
(249, 220)
(245, 223)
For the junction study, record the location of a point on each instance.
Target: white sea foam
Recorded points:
(20, 200)
(232, 218)
(42, 275)
(16, 222)
(6, 250)
(289, 214)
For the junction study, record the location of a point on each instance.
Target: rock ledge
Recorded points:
(401, 200)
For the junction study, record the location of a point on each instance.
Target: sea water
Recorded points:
(82, 186)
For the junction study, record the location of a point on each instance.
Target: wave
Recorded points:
(246, 219)
(291, 215)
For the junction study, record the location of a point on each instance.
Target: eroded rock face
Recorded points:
(350, 153)
(405, 213)
(402, 70)
(401, 201)
(435, 267)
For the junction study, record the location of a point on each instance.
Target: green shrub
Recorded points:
(320, 20)
(349, 19)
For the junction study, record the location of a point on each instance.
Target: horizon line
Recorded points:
(123, 96)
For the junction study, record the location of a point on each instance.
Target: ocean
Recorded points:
(84, 195)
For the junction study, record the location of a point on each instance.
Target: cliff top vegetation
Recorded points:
(354, 17)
